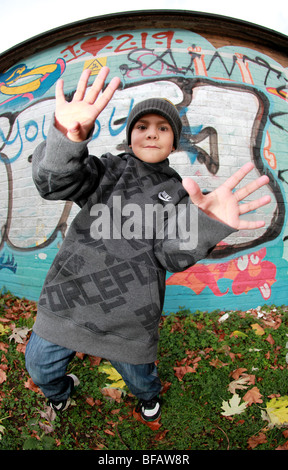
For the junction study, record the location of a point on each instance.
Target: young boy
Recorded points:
(104, 292)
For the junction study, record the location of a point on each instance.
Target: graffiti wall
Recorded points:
(233, 102)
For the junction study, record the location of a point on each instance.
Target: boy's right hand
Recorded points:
(76, 119)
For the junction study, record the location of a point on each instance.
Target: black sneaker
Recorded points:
(63, 405)
(59, 406)
(150, 410)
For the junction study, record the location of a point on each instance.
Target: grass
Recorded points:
(199, 356)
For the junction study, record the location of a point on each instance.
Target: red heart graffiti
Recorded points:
(94, 45)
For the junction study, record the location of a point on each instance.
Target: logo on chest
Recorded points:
(164, 196)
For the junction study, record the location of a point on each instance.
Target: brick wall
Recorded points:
(232, 98)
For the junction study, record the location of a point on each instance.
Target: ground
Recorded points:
(224, 377)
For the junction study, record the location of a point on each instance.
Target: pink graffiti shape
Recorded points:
(247, 272)
(256, 274)
(200, 276)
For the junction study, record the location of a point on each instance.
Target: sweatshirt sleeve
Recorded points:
(63, 170)
(189, 235)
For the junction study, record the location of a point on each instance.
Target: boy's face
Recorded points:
(152, 138)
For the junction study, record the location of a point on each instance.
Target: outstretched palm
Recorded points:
(76, 119)
(225, 205)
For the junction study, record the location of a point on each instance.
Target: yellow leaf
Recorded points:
(258, 329)
(277, 411)
(113, 375)
(120, 384)
(111, 372)
(238, 333)
(3, 330)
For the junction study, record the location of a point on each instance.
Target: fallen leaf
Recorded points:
(182, 370)
(90, 401)
(161, 435)
(153, 425)
(110, 433)
(239, 334)
(241, 384)
(237, 372)
(217, 363)
(112, 393)
(2, 430)
(3, 376)
(223, 317)
(112, 373)
(21, 348)
(95, 360)
(3, 330)
(253, 396)
(254, 441)
(258, 329)
(119, 384)
(3, 347)
(31, 386)
(233, 407)
(270, 339)
(283, 447)
(80, 355)
(276, 412)
(49, 416)
(19, 334)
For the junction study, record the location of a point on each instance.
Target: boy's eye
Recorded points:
(163, 128)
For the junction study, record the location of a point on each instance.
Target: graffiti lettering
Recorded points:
(233, 105)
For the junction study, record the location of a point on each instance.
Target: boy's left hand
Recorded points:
(225, 205)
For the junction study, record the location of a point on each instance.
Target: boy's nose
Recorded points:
(152, 134)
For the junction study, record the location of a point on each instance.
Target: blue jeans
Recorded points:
(47, 365)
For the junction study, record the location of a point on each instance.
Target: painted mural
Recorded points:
(233, 103)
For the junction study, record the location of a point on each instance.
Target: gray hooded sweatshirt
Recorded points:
(104, 292)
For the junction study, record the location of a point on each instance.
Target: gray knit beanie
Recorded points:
(160, 106)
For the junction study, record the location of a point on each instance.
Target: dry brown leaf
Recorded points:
(270, 339)
(112, 393)
(283, 447)
(110, 433)
(3, 347)
(153, 425)
(90, 401)
(161, 435)
(182, 370)
(254, 441)
(3, 376)
(31, 386)
(95, 360)
(237, 372)
(253, 396)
